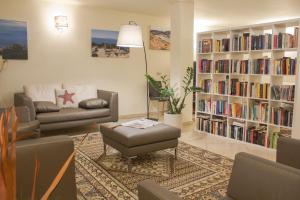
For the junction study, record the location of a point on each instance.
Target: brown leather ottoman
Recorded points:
(132, 141)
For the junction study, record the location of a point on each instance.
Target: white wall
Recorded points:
(66, 57)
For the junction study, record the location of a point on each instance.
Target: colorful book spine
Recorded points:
(219, 127)
(261, 66)
(204, 123)
(282, 116)
(204, 105)
(285, 66)
(221, 87)
(286, 40)
(240, 66)
(222, 66)
(237, 131)
(219, 107)
(205, 46)
(259, 90)
(238, 110)
(261, 42)
(283, 92)
(241, 42)
(258, 111)
(238, 88)
(258, 135)
(205, 66)
(205, 85)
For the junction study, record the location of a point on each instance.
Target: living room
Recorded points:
(162, 99)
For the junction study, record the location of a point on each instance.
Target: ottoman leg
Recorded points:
(129, 163)
(104, 149)
(176, 153)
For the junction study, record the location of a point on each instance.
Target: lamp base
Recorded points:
(153, 119)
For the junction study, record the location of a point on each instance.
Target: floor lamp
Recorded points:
(130, 35)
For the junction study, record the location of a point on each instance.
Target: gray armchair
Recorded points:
(252, 177)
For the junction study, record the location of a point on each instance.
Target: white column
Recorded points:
(182, 28)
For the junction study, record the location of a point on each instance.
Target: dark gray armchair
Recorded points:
(252, 177)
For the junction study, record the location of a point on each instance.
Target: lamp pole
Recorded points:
(146, 62)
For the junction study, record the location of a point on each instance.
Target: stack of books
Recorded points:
(240, 66)
(238, 110)
(241, 42)
(238, 88)
(205, 66)
(261, 42)
(222, 66)
(221, 87)
(285, 40)
(258, 111)
(285, 66)
(219, 126)
(261, 66)
(259, 90)
(283, 92)
(204, 105)
(204, 123)
(205, 85)
(219, 107)
(282, 116)
(237, 130)
(257, 135)
(205, 46)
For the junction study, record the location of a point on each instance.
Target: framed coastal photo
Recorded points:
(13, 40)
(160, 38)
(104, 45)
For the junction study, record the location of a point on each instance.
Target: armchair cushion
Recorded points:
(288, 152)
(45, 106)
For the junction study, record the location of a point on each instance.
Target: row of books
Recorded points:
(205, 85)
(219, 126)
(282, 115)
(257, 135)
(205, 66)
(237, 130)
(283, 92)
(285, 66)
(260, 42)
(238, 88)
(205, 46)
(219, 107)
(238, 110)
(258, 111)
(221, 87)
(222, 45)
(259, 90)
(222, 66)
(286, 40)
(204, 105)
(240, 66)
(261, 66)
(204, 123)
(241, 42)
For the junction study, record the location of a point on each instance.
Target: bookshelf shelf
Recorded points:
(255, 61)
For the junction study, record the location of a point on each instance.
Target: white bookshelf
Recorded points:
(247, 54)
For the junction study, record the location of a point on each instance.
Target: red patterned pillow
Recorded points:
(66, 98)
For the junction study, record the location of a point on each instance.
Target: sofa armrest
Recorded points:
(20, 99)
(149, 190)
(52, 153)
(23, 114)
(288, 152)
(113, 101)
(260, 179)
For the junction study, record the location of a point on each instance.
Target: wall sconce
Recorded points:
(61, 22)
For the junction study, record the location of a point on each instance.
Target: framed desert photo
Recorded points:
(159, 38)
(13, 40)
(104, 44)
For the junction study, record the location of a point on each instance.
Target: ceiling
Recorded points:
(209, 14)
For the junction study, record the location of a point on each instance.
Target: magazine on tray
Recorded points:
(140, 123)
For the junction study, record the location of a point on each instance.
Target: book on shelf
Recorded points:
(205, 85)
(219, 107)
(258, 111)
(204, 123)
(219, 126)
(204, 66)
(238, 110)
(285, 66)
(257, 135)
(222, 66)
(259, 90)
(238, 88)
(261, 42)
(204, 105)
(282, 116)
(286, 40)
(221, 87)
(240, 66)
(274, 136)
(205, 46)
(222, 45)
(237, 130)
(283, 92)
(261, 66)
(241, 42)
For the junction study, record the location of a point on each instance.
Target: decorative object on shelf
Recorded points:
(160, 38)
(131, 36)
(104, 44)
(176, 103)
(61, 22)
(13, 40)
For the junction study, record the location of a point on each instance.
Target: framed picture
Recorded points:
(104, 44)
(160, 38)
(13, 40)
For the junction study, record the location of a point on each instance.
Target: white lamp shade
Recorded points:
(130, 36)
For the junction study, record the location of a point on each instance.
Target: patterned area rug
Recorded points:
(197, 174)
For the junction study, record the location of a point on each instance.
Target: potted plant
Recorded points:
(176, 102)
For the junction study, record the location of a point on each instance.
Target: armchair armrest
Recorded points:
(52, 153)
(260, 179)
(288, 152)
(149, 190)
(113, 102)
(23, 114)
(20, 99)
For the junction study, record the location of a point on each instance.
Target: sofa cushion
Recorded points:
(93, 103)
(83, 92)
(71, 114)
(41, 92)
(45, 106)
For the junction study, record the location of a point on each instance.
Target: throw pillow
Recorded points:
(66, 98)
(41, 92)
(45, 106)
(83, 92)
(93, 103)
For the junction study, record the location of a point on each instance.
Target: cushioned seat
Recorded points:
(131, 137)
(71, 114)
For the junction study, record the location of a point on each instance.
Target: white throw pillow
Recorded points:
(66, 98)
(41, 92)
(83, 92)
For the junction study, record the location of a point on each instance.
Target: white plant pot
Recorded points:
(173, 120)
